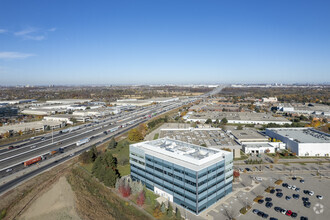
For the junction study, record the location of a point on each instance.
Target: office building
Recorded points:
(191, 176)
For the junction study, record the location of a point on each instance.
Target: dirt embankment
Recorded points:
(57, 203)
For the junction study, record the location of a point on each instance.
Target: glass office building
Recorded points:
(191, 176)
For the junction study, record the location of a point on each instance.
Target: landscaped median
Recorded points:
(244, 210)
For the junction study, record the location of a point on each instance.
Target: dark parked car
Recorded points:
(296, 196)
(307, 204)
(285, 185)
(272, 218)
(260, 201)
(305, 199)
(294, 215)
(302, 181)
(288, 197)
(278, 190)
(303, 218)
(272, 191)
(269, 204)
(264, 215)
(278, 209)
(260, 214)
(268, 199)
(279, 195)
(294, 178)
(255, 211)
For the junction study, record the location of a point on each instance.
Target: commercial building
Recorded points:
(36, 126)
(191, 176)
(238, 118)
(248, 135)
(131, 102)
(68, 101)
(63, 117)
(7, 111)
(270, 99)
(258, 148)
(302, 141)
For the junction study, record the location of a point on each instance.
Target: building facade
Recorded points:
(191, 176)
(303, 141)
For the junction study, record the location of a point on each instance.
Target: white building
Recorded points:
(302, 141)
(64, 118)
(270, 99)
(258, 148)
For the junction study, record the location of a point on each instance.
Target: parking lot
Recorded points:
(319, 209)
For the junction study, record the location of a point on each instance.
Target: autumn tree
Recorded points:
(112, 144)
(135, 135)
(141, 198)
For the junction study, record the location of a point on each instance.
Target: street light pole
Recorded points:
(52, 134)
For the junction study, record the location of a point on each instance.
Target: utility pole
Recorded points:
(52, 134)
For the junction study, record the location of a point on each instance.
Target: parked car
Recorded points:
(288, 197)
(288, 213)
(302, 181)
(258, 178)
(279, 195)
(272, 191)
(307, 204)
(297, 189)
(278, 209)
(293, 187)
(268, 199)
(260, 201)
(278, 190)
(272, 218)
(289, 186)
(269, 204)
(311, 193)
(283, 211)
(319, 197)
(294, 215)
(303, 218)
(305, 199)
(285, 185)
(296, 196)
(255, 211)
(294, 178)
(264, 215)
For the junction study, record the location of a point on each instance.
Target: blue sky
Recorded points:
(164, 41)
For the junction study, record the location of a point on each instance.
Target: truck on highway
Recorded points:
(65, 131)
(83, 141)
(32, 161)
(53, 152)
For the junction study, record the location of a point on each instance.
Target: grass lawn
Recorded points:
(156, 136)
(243, 156)
(124, 170)
(88, 166)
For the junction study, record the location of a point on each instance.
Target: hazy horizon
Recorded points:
(82, 42)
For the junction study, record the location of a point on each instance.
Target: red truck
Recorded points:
(32, 161)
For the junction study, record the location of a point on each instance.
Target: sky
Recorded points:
(83, 42)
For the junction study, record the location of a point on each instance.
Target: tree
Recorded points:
(141, 198)
(157, 213)
(112, 143)
(224, 121)
(169, 209)
(177, 213)
(236, 173)
(135, 135)
(208, 121)
(163, 208)
(239, 127)
(105, 169)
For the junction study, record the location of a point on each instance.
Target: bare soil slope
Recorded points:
(57, 203)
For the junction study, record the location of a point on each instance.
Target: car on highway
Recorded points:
(43, 138)
(33, 146)
(71, 154)
(8, 170)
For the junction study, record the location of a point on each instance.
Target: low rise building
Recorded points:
(36, 126)
(302, 141)
(248, 135)
(191, 176)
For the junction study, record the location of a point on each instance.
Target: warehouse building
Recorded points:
(37, 126)
(248, 135)
(7, 112)
(303, 141)
(237, 118)
(189, 175)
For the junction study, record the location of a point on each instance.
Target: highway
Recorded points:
(12, 160)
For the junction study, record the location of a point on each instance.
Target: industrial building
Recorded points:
(237, 118)
(6, 112)
(259, 148)
(303, 141)
(191, 176)
(248, 135)
(68, 101)
(36, 126)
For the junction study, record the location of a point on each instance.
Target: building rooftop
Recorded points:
(185, 154)
(245, 116)
(303, 135)
(248, 135)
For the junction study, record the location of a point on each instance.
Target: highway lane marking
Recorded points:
(37, 148)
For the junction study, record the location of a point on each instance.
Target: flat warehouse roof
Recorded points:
(178, 151)
(305, 135)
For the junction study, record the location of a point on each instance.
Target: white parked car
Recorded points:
(289, 186)
(311, 193)
(283, 211)
(258, 178)
(319, 197)
(293, 187)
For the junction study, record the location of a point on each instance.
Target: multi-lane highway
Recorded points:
(12, 160)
